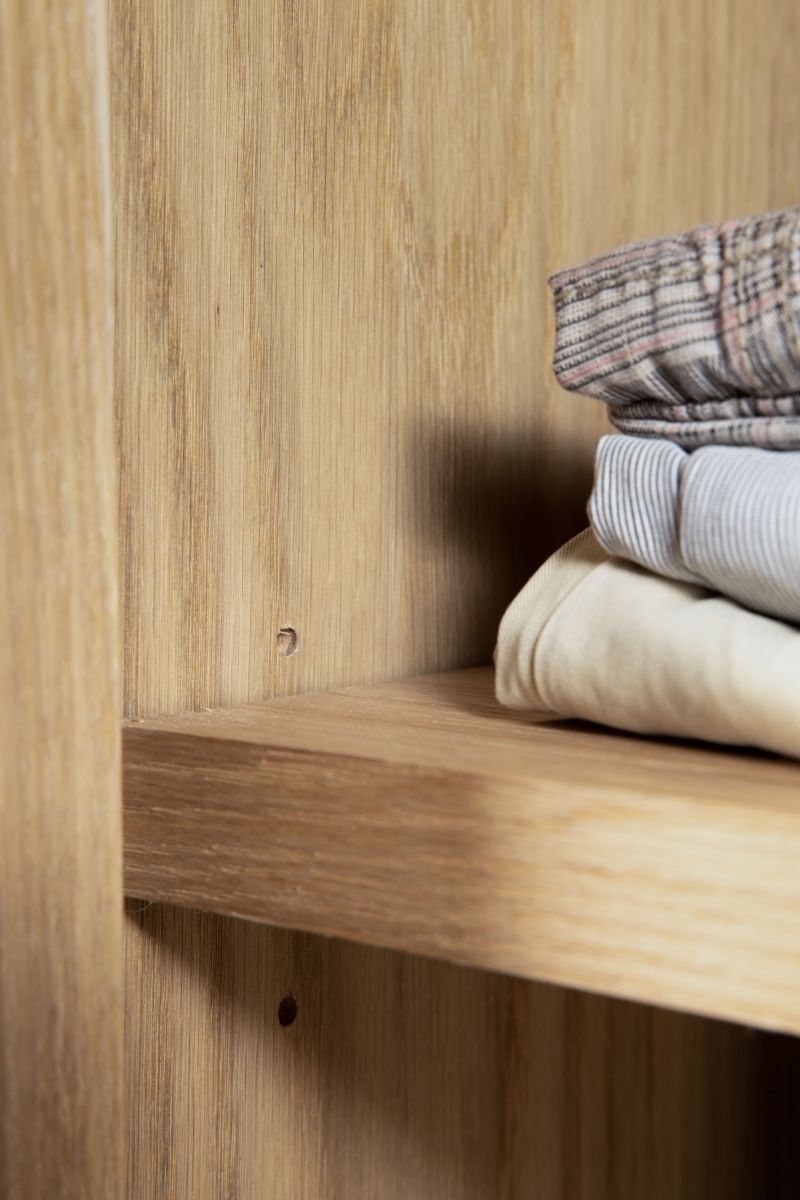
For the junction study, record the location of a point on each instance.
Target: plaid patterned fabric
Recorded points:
(694, 337)
(769, 433)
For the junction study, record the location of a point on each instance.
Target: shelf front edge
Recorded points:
(424, 821)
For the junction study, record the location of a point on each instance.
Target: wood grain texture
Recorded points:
(334, 228)
(406, 1078)
(336, 412)
(422, 816)
(60, 850)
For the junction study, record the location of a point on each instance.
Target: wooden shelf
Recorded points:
(419, 815)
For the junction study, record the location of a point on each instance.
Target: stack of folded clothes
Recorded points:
(671, 615)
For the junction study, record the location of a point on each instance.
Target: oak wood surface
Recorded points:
(401, 1077)
(420, 815)
(60, 849)
(336, 413)
(334, 228)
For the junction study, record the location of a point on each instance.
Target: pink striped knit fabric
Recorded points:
(695, 337)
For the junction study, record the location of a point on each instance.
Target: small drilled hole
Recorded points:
(286, 641)
(287, 1010)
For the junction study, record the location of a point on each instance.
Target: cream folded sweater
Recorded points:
(605, 640)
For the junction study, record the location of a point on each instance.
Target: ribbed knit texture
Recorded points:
(726, 518)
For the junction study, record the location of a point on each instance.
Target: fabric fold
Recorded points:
(728, 519)
(769, 433)
(661, 621)
(601, 639)
(693, 337)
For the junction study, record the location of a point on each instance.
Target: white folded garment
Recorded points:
(605, 640)
(724, 517)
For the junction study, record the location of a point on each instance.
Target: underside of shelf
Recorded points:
(421, 816)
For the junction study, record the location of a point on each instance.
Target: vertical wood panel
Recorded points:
(334, 225)
(60, 859)
(403, 1077)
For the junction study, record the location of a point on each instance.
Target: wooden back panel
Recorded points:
(334, 228)
(402, 1077)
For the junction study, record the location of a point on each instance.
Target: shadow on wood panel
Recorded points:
(503, 499)
(392, 1076)
(778, 1108)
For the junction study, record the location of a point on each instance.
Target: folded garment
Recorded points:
(602, 639)
(770, 433)
(725, 518)
(697, 411)
(709, 315)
